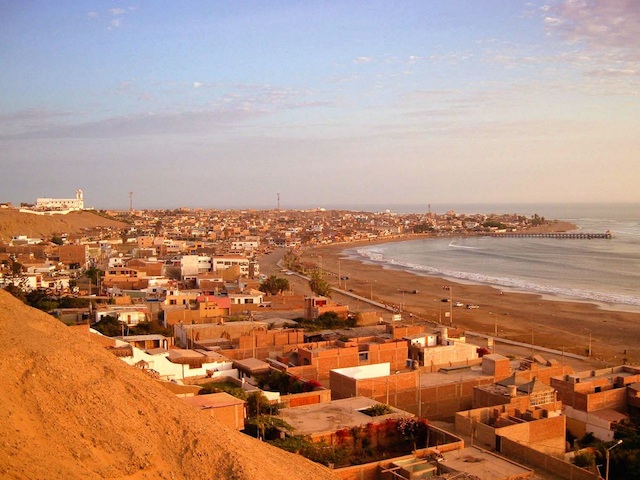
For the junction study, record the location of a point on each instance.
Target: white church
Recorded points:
(68, 204)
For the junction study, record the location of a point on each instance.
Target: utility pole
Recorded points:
(532, 342)
(278, 202)
(131, 201)
(607, 451)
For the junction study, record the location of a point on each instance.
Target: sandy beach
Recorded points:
(614, 335)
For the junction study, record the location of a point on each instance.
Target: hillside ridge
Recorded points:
(73, 410)
(14, 222)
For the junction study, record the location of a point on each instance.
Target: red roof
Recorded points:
(222, 302)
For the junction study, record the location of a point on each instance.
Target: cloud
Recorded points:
(33, 115)
(163, 123)
(31, 119)
(115, 23)
(597, 23)
(92, 14)
(117, 11)
(360, 60)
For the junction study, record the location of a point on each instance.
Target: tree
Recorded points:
(16, 292)
(16, 268)
(319, 285)
(94, 274)
(258, 404)
(274, 285)
(57, 240)
(109, 326)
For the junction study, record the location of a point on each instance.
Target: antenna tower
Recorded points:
(131, 201)
(278, 202)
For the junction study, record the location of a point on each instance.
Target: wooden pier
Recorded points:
(580, 236)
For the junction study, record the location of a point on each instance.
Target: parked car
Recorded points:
(471, 307)
(458, 304)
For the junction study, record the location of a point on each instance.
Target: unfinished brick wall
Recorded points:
(528, 456)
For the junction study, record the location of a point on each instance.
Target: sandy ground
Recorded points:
(12, 223)
(72, 410)
(614, 335)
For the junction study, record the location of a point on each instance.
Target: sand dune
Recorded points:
(70, 409)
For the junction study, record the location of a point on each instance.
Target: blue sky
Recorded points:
(227, 103)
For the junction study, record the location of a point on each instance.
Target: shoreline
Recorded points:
(553, 321)
(548, 296)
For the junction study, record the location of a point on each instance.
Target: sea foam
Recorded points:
(376, 254)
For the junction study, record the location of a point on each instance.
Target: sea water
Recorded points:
(606, 271)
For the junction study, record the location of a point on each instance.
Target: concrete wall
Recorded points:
(580, 422)
(175, 371)
(448, 354)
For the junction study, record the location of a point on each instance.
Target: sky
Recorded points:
(229, 103)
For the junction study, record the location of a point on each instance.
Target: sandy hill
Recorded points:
(13, 222)
(70, 409)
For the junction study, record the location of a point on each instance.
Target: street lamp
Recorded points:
(607, 452)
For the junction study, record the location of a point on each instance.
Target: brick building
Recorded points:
(539, 428)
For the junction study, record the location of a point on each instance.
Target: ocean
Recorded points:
(604, 271)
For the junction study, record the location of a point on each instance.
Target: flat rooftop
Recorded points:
(601, 374)
(436, 379)
(333, 416)
(483, 464)
(213, 400)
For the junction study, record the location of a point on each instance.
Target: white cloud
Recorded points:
(610, 23)
(92, 14)
(359, 60)
(117, 11)
(115, 23)
(197, 84)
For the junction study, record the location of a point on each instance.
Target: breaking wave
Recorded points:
(377, 255)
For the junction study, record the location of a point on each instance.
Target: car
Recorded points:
(458, 304)
(472, 307)
(415, 292)
(344, 277)
(445, 300)
(288, 273)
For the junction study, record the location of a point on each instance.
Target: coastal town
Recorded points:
(254, 318)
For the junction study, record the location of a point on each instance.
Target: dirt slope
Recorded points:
(13, 222)
(69, 409)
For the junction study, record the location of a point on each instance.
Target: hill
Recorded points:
(14, 222)
(72, 410)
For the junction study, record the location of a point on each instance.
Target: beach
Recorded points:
(612, 334)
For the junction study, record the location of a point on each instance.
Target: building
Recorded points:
(516, 392)
(224, 262)
(205, 309)
(540, 429)
(596, 400)
(225, 408)
(438, 348)
(316, 306)
(126, 315)
(74, 255)
(61, 203)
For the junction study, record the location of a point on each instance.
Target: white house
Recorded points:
(126, 314)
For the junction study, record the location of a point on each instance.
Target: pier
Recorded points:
(581, 236)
